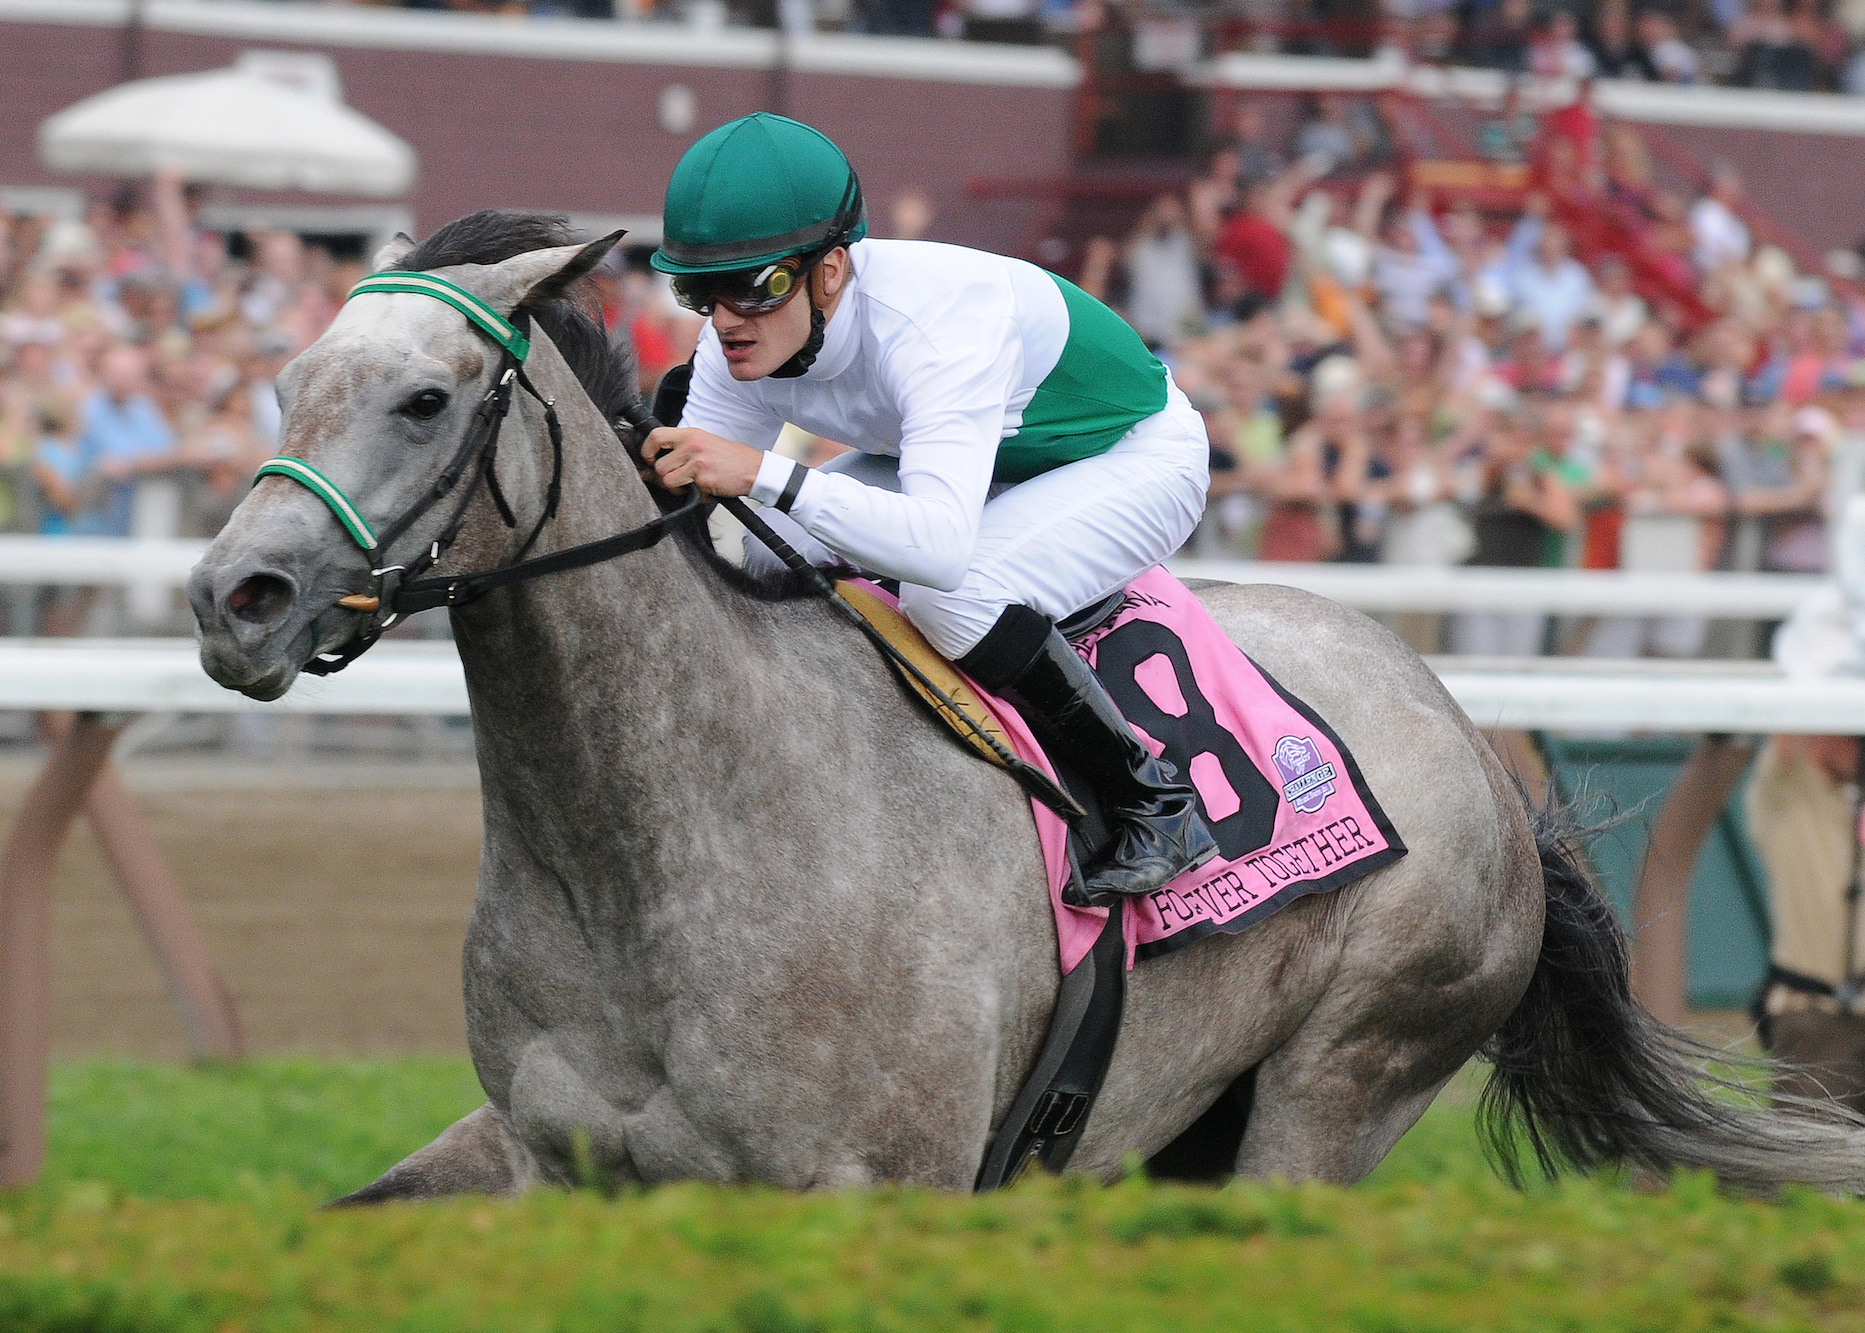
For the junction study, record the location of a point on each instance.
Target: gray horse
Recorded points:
(745, 914)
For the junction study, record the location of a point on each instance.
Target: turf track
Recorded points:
(179, 1199)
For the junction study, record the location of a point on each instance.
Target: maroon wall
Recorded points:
(1811, 184)
(584, 135)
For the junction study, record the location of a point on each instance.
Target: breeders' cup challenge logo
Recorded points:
(1307, 779)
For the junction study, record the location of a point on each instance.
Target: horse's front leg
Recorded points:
(476, 1155)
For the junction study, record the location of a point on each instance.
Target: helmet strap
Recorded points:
(798, 365)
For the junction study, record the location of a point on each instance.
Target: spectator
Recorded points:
(1324, 472)
(1772, 50)
(1802, 816)
(1675, 516)
(1427, 527)
(1728, 352)
(1521, 512)
(1719, 236)
(1556, 51)
(912, 215)
(258, 381)
(1499, 39)
(1257, 162)
(121, 436)
(1165, 299)
(1616, 53)
(1253, 251)
(1412, 267)
(1335, 134)
(1510, 135)
(1822, 34)
(1621, 311)
(35, 410)
(1658, 373)
(1549, 286)
(1791, 500)
(1670, 55)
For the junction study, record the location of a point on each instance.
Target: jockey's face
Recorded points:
(755, 345)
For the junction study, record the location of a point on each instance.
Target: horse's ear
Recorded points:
(393, 252)
(540, 275)
(585, 262)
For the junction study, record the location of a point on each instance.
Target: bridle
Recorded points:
(399, 589)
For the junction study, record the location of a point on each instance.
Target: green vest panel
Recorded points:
(1105, 384)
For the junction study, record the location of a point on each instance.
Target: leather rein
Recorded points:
(398, 590)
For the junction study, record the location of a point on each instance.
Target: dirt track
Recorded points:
(334, 900)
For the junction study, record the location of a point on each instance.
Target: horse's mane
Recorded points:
(606, 367)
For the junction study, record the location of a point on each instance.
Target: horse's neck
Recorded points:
(592, 679)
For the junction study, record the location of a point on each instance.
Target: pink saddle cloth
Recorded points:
(1280, 793)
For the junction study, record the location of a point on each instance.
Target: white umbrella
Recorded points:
(229, 127)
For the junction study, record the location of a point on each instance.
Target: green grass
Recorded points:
(185, 1200)
(174, 1132)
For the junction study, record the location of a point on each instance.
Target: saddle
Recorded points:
(1279, 791)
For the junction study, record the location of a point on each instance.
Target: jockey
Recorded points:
(1019, 452)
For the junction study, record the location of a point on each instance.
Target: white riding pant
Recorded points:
(1056, 542)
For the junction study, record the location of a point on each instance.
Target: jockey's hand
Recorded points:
(720, 466)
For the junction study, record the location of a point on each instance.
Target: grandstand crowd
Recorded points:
(138, 353)
(1397, 378)
(1799, 45)
(1386, 376)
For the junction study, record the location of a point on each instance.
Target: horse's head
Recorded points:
(380, 405)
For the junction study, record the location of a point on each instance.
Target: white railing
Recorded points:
(165, 676)
(119, 562)
(1568, 592)
(425, 679)
(100, 562)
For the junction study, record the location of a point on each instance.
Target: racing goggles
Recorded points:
(751, 291)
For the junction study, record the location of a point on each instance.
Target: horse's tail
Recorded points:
(1588, 1078)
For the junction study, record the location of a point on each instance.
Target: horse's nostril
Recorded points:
(259, 598)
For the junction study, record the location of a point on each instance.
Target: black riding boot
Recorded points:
(1153, 817)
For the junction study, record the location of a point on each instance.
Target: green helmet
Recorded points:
(757, 190)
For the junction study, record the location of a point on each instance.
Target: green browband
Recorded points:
(501, 330)
(497, 327)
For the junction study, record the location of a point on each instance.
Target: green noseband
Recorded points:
(489, 321)
(324, 489)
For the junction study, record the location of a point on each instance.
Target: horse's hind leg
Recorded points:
(478, 1154)
(1419, 987)
(1308, 1123)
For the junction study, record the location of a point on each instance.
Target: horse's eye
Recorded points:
(426, 405)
